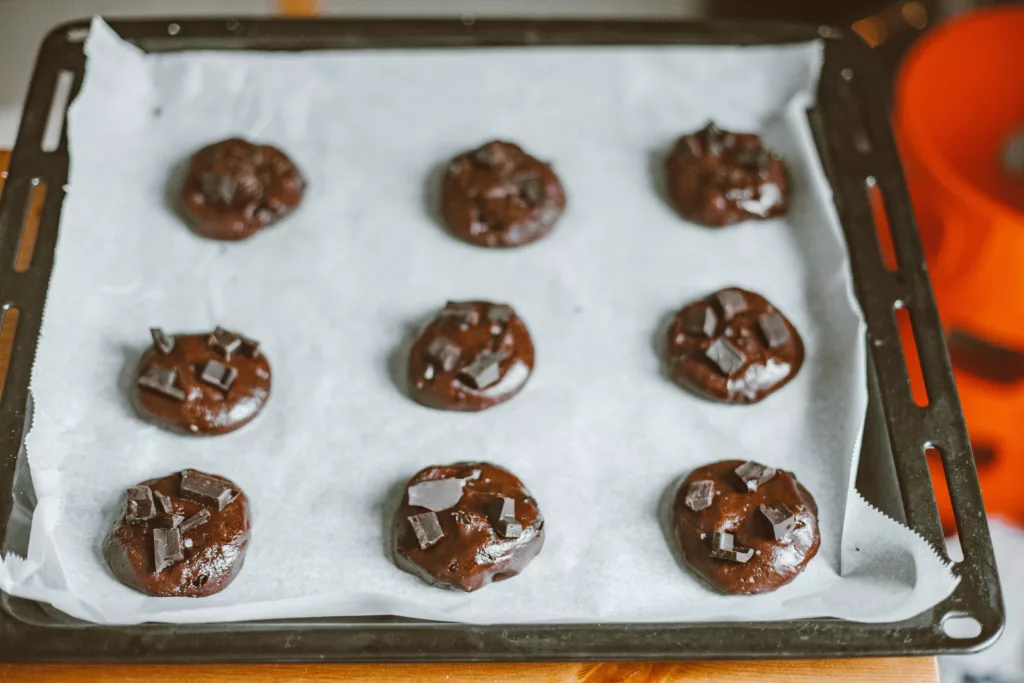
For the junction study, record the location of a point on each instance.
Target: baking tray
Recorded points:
(858, 153)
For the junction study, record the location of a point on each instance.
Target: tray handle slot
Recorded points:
(53, 133)
(30, 227)
(8, 329)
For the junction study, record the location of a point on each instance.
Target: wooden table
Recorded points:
(915, 670)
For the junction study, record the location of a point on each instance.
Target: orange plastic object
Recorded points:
(959, 102)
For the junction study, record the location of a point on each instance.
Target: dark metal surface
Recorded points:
(855, 143)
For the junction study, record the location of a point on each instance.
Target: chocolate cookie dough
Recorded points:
(201, 383)
(184, 535)
(717, 178)
(474, 355)
(744, 527)
(234, 188)
(465, 525)
(733, 346)
(500, 196)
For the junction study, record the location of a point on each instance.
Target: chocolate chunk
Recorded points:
(783, 521)
(444, 352)
(502, 514)
(499, 313)
(464, 315)
(532, 191)
(773, 327)
(171, 520)
(163, 502)
(484, 371)
(225, 342)
(754, 475)
(436, 494)
(163, 342)
(427, 529)
(140, 504)
(206, 490)
(198, 519)
(723, 548)
(491, 156)
(218, 375)
(250, 347)
(167, 548)
(218, 187)
(700, 321)
(725, 356)
(700, 495)
(731, 302)
(162, 381)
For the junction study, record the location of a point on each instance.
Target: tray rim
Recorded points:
(848, 68)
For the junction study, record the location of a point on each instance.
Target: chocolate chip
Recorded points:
(484, 371)
(491, 156)
(250, 347)
(161, 340)
(533, 192)
(700, 320)
(773, 327)
(700, 495)
(427, 529)
(723, 548)
(171, 520)
(198, 519)
(163, 502)
(167, 548)
(162, 381)
(436, 494)
(206, 490)
(218, 375)
(224, 342)
(463, 314)
(499, 313)
(218, 187)
(502, 514)
(731, 303)
(754, 474)
(725, 356)
(140, 505)
(783, 521)
(443, 352)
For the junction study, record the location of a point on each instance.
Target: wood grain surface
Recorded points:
(916, 670)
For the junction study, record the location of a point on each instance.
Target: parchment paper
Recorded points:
(599, 434)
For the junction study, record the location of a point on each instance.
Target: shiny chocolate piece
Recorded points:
(779, 516)
(198, 519)
(170, 520)
(500, 196)
(159, 558)
(162, 342)
(503, 517)
(474, 355)
(700, 321)
(723, 548)
(773, 327)
(224, 342)
(140, 505)
(700, 495)
(210, 491)
(754, 475)
(717, 178)
(163, 381)
(729, 544)
(234, 188)
(427, 529)
(737, 362)
(167, 549)
(216, 374)
(163, 503)
(192, 389)
(473, 550)
(436, 494)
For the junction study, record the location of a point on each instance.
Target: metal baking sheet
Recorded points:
(856, 148)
